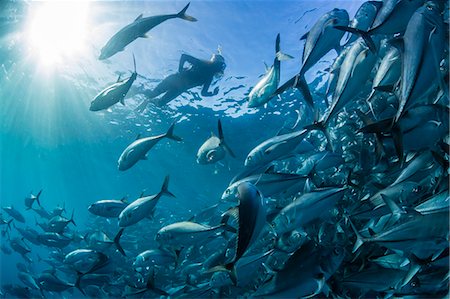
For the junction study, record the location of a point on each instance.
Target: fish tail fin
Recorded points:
(9, 224)
(321, 126)
(71, 219)
(170, 134)
(222, 139)
(300, 84)
(165, 188)
(182, 14)
(395, 209)
(117, 241)
(350, 182)
(398, 143)
(37, 198)
(364, 34)
(359, 239)
(77, 282)
(381, 126)
(229, 268)
(277, 43)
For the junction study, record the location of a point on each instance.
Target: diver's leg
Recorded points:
(169, 96)
(162, 87)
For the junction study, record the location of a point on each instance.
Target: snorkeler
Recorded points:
(200, 73)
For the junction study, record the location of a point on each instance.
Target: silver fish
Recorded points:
(214, 149)
(138, 149)
(265, 89)
(114, 93)
(137, 29)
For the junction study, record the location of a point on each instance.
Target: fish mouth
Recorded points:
(92, 107)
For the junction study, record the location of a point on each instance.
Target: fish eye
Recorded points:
(227, 191)
(337, 251)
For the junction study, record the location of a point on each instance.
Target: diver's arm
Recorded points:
(187, 58)
(205, 91)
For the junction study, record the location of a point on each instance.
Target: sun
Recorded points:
(57, 30)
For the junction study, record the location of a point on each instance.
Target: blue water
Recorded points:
(50, 140)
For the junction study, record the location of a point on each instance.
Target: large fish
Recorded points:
(138, 28)
(268, 183)
(430, 231)
(393, 17)
(265, 89)
(420, 128)
(307, 208)
(364, 18)
(423, 47)
(138, 149)
(114, 93)
(251, 217)
(321, 39)
(304, 274)
(334, 72)
(274, 148)
(214, 149)
(388, 72)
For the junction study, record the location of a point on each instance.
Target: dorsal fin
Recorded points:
(138, 17)
(304, 36)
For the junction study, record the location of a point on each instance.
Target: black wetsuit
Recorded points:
(200, 73)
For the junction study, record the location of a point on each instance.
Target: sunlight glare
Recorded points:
(58, 30)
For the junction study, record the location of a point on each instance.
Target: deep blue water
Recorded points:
(50, 140)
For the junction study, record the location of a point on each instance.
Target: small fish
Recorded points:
(183, 233)
(108, 208)
(274, 148)
(28, 280)
(154, 257)
(57, 224)
(31, 199)
(265, 89)
(138, 149)
(114, 93)
(214, 149)
(143, 207)
(54, 240)
(14, 213)
(85, 260)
